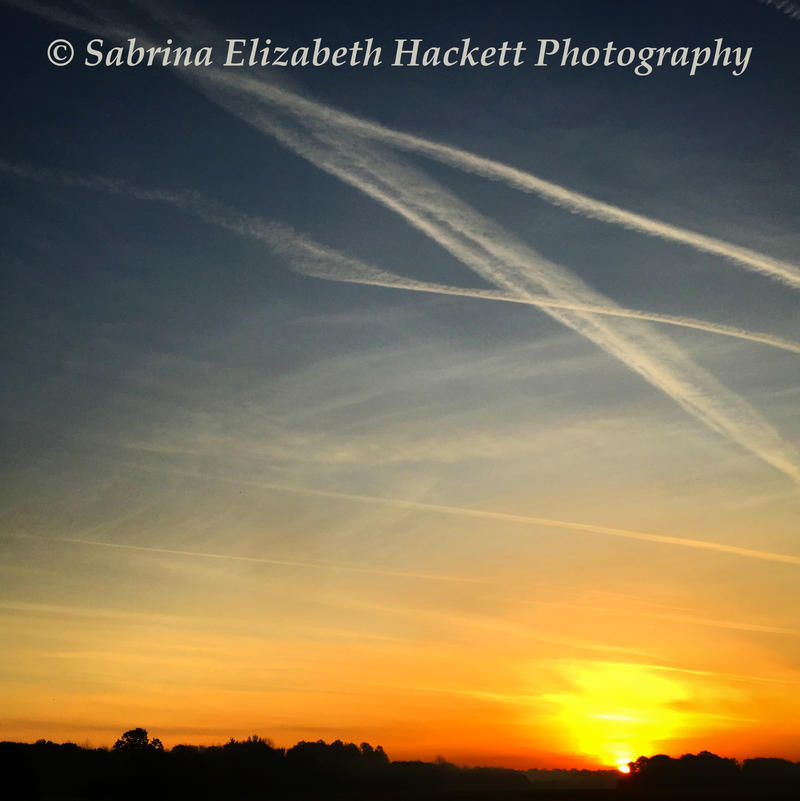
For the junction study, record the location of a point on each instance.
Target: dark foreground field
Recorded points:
(565, 794)
(532, 794)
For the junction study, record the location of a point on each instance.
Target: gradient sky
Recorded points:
(247, 490)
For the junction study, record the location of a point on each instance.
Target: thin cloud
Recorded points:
(678, 618)
(792, 679)
(504, 627)
(792, 10)
(346, 568)
(307, 110)
(315, 260)
(485, 514)
(495, 255)
(344, 269)
(499, 258)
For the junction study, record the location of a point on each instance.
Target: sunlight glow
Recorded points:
(614, 712)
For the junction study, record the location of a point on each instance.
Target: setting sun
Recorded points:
(624, 768)
(611, 711)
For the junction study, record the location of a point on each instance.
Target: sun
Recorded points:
(624, 768)
(611, 711)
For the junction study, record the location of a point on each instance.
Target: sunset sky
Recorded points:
(449, 409)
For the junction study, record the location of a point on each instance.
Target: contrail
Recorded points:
(372, 276)
(682, 618)
(792, 10)
(510, 265)
(485, 514)
(589, 528)
(305, 110)
(710, 673)
(499, 258)
(347, 568)
(285, 240)
(462, 230)
(308, 257)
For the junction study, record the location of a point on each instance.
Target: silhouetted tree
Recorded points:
(764, 772)
(137, 740)
(255, 770)
(691, 770)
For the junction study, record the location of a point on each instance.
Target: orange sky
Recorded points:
(496, 665)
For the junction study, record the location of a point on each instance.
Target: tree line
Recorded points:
(141, 768)
(709, 770)
(138, 767)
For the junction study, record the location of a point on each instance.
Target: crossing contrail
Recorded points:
(341, 145)
(336, 269)
(306, 110)
(308, 257)
(498, 257)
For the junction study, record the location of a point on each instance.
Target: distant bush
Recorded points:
(707, 770)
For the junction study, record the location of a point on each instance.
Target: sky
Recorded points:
(452, 409)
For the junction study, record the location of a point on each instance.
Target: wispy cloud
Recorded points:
(792, 10)
(504, 627)
(342, 146)
(307, 110)
(337, 267)
(789, 678)
(308, 257)
(499, 258)
(345, 568)
(485, 514)
(677, 618)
